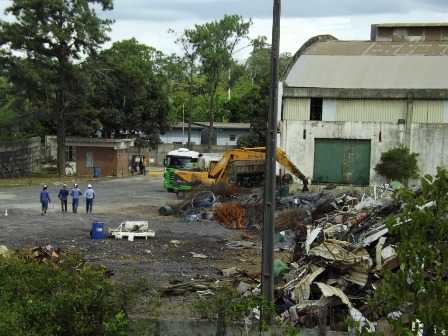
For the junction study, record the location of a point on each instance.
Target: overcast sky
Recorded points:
(150, 20)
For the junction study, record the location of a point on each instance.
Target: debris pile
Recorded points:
(342, 246)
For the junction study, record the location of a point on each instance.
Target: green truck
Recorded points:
(183, 159)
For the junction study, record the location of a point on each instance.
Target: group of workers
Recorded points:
(64, 193)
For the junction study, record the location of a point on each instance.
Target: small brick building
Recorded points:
(99, 157)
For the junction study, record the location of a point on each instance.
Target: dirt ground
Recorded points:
(138, 198)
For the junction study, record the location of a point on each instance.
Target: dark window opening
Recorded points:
(232, 137)
(316, 109)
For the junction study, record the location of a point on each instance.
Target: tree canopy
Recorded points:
(41, 48)
(214, 44)
(55, 72)
(130, 90)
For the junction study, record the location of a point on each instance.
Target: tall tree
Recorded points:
(190, 56)
(51, 36)
(214, 44)
(130, 90)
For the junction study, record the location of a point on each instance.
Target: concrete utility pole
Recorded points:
(270, 171)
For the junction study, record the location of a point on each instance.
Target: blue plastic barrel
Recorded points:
(97, 172)
(97, 232)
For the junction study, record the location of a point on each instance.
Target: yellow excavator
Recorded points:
(242, 166)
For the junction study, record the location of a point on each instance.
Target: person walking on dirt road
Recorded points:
(76, 195)
(44, 199)
(63, 196)
(90, 196)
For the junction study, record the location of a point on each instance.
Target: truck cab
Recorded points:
(179, 159)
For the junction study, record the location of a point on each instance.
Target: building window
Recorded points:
(232, 137)
(316, 108)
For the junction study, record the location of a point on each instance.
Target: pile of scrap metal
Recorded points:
(342, 247)
(338, 263)
(232, 207)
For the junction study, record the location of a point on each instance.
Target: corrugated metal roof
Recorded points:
(370, 48)
(371, 65)
(369, 72)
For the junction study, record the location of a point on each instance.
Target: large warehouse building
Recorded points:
(346, 102)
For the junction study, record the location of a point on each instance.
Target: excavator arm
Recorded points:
(283, 159)
(220, 171)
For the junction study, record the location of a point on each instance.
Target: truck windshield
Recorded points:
(181, 162)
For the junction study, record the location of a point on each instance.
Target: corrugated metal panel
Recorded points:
(370, 110)
(429, 111)
(369, 72)
(296, 109)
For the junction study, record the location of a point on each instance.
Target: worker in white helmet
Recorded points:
(76, 195)
(90, 196)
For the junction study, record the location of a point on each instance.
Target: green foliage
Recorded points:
(69, 299)
(228, 308)
(398, 164)
(214, 44)
(130, 90)
(40, 51)
(419, 289)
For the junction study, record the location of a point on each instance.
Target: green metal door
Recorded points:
(342, 161)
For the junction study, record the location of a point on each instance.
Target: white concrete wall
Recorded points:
(301, 151)
(177, 136)
(430, 141)
(223, 136)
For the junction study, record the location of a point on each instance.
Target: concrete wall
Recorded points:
(301, 151)
(176, 135)
(430, 141)
(223, 136)
(20, 157)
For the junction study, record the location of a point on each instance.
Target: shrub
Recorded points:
(419, 288)
(398, 164)
(69, 298)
